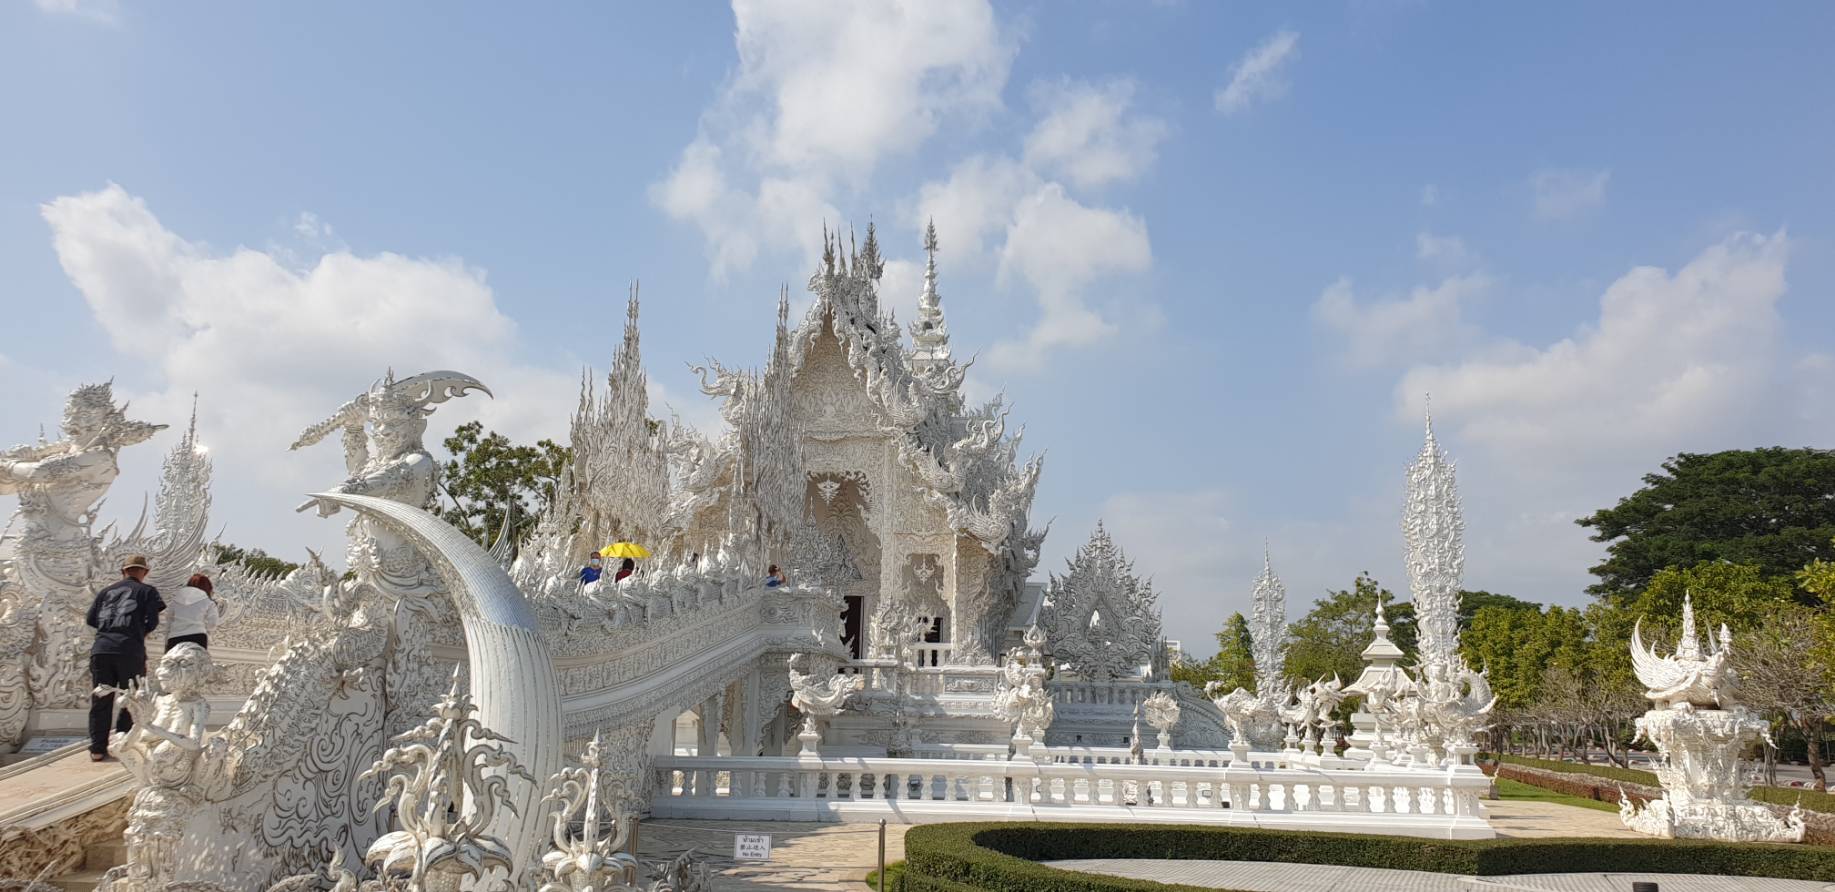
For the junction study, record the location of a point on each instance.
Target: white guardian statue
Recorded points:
(1699, 731)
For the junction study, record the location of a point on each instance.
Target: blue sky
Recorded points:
(1214, 253)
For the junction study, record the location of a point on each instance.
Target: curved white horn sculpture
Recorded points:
(512, 677)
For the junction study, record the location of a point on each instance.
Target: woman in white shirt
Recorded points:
(194, 613)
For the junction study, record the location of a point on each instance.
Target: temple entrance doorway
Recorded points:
(851, 620)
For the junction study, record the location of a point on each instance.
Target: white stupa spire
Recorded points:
(1268, 626)
(1433, 526)
(930, 333)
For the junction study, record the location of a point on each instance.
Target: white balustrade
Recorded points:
(1432, 803)
(961, 751)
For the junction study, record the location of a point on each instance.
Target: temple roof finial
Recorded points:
(930, 333)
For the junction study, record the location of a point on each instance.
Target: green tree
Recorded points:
(1472, 602)
(1739, 595)
(490, 477)
(1328, 640)
(1783, 675)
(254, 560)
(1233, 665)
(1515, 647)
(1772, 508)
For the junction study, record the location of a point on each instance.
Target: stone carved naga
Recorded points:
(1162, 713)
(450, 776)
(1021, 697)
(162, 751)
(818, 700)
(52, 557)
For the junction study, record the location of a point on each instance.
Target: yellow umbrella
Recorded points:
(624, 550)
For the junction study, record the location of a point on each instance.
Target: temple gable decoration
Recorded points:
(1102, 620)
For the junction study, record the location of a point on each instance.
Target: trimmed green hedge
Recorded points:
(1003, 857)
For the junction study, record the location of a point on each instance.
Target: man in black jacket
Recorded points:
(122, 615)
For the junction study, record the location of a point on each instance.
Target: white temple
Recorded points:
(444, 711)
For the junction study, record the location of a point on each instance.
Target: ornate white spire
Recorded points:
(1688, 646)
(1268, 627)
(1434, 529)
(930, 334)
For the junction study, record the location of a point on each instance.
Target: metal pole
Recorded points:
(882, 855)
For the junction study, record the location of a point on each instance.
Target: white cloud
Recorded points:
(1430, 195)
(102, 12)
(901, 283)
(822, 95)
(1444, 250)
(974, 204)
(1565, 193)
(271, 350)
(1042, 236)
(1428, 322)
(1676, 361)
(1256, 77)
(1087, 135)
(1059, 247)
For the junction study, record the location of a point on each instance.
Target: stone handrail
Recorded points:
(1438, 804)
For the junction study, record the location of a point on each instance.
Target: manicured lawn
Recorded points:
(1514, 790)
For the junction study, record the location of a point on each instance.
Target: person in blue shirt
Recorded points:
(774, 577)
(590, 573)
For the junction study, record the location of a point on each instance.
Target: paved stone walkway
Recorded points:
(803, 855)
(1529, 819)
(1266, 876)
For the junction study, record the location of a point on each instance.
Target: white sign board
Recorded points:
(751, 847)
(40, 745)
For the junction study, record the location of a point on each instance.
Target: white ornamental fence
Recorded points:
(1195, 757)
(1440, 804)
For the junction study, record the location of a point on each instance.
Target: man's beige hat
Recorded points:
(138, 560)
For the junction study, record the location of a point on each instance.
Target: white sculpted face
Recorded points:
(87, 413)
(184, 670)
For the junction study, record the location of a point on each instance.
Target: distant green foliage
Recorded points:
(490, 479)
(254, 560)
(1233, 665)
(1516, 647)
(1470, 602)
(1327, 641)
